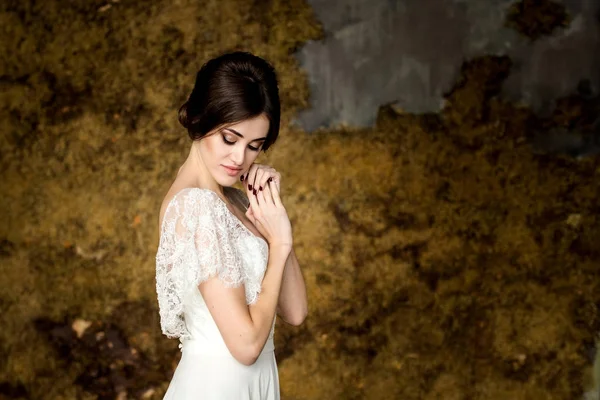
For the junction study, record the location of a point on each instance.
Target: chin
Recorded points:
(228, 181)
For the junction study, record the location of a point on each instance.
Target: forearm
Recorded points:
(262, 312)
(292, 306)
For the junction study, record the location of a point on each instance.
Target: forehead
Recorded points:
(253, 128)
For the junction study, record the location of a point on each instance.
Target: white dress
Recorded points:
(201, 238)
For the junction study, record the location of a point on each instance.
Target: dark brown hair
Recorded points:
(229, 89)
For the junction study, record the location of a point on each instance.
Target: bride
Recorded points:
(225, 265)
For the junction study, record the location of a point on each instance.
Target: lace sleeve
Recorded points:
(197, 242)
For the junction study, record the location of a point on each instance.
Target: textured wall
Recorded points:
(409, 52)
(443, 259)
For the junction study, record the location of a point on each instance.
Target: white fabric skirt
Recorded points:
(202, 375)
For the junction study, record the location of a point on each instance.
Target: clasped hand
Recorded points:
(266, 211)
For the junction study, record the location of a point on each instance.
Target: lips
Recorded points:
(231, 171)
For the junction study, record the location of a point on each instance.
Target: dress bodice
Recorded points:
(200, 238)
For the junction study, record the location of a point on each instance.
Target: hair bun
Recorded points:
(183, 116)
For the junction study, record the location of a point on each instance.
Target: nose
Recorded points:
(237, 155)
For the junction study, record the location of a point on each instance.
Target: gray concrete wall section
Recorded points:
(409, 52)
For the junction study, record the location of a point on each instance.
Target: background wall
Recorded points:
(444, 258)
(409, 52)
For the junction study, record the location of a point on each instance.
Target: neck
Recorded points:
(197, 172)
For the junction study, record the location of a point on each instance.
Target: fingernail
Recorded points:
(260, 187)
(249, 187)
(254, 192)
(242, 177)
(270, 179)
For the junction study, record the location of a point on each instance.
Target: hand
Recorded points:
(257, 177)
(269, 216)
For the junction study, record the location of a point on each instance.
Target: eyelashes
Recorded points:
(232, 143)
(227, 141)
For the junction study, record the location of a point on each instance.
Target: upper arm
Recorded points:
(222, 283)
(227, 306)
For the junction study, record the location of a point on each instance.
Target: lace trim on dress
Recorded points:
(200, 239)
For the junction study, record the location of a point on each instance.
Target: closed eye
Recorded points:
(227, 141)
(230, 143)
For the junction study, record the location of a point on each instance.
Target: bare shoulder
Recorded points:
(163, 207)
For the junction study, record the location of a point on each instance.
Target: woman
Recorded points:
(225, 264)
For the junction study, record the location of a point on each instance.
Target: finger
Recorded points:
(268, 173)
(250, 179)
(272, 182)
(258, 179)
(276, 180)
(255, 189)
(252, 199)
(245, 176)
(268, 194)
(258, 168)
(262, 201)
(262, 181)
(247, 187)
(275, 193)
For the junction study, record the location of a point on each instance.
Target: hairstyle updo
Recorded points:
(232, 88)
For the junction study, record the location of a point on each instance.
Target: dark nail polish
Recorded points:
(260, 187)
(270, 179)
(242, 177)
(254, 192)
(249, 187)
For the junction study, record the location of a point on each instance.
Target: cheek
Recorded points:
(207, 147)
(212, 147)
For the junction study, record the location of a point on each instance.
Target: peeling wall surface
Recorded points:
(409, 52)
(444, 256)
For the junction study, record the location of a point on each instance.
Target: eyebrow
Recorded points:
(242, 136)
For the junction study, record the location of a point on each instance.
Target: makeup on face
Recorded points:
(231, 171)
(240, 149)
(227, 134)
